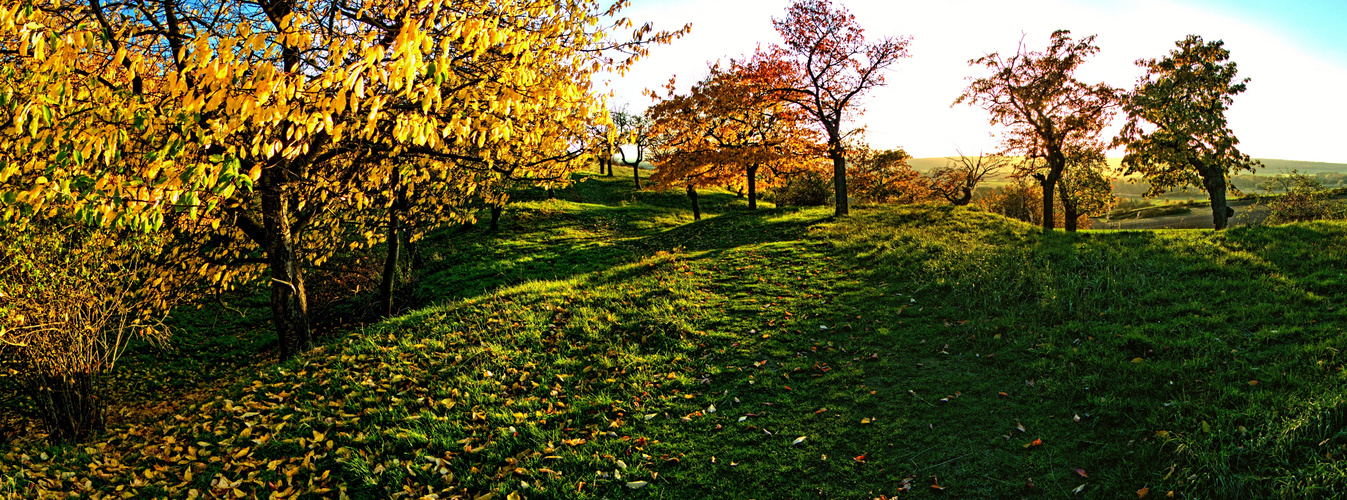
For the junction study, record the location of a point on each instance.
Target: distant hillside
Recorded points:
(1270, 166)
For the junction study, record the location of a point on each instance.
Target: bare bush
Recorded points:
(71, 299)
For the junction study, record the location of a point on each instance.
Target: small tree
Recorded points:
(1176, 133)
(957, 180)
(636, 132)
(1085, 191)
(1037, 96)
(884, 176)
(824, 66)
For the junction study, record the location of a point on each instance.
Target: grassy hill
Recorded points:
(604, 345)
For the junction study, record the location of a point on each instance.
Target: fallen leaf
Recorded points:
(651, 415)
(1019, 426)
(1082, 473)
(1076, 418)
(636, 485)
(798, 440)
(865, 420)
(1138, 360)
(741, 419)
(1078, 489)
(1141, 493)
(820, 410)
(1003, 394)
(1170, 494)
(1036, 442)
(860, 458)
(711, 409)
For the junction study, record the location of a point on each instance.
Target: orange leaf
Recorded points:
(1082, 473)
(1036, 442)
(1141, 493)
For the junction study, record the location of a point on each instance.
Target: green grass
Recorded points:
(591, 337)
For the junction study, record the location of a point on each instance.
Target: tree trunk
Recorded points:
(752, 187)
(289, 304)
(495, 218)
(608, 162)
(391, 261)
(839, 158)
(636, 173)
(1056, 165)
(1069, 214)
(1048, 223)
(963, 199)
(1220, 215)
(696, 207)
(551, 194)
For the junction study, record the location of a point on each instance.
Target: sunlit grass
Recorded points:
(603, 339)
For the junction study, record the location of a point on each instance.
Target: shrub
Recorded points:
(1023, 201)
(71, 298)
(803, 189)
(1305, 200)
(886, 177)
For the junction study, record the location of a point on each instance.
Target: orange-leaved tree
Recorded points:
(727, 128)
(824, 66)
(1037, 96)
(885, 176)
(258, 125)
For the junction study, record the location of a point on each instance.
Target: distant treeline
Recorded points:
(1331, 175)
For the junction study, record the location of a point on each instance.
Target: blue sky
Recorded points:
(1318, 25)
(1295, 53)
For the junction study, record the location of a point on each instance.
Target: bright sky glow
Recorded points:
(1295, 53)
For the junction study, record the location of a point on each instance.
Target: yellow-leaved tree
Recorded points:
(254, 129)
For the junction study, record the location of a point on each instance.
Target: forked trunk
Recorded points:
(696, 207)
(289, 304)
(636, 173)
(752, 187)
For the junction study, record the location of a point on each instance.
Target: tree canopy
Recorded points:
(728, 127)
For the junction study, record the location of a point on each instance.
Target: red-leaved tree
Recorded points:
(824, 66)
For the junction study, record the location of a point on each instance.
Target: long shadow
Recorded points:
(540, 240)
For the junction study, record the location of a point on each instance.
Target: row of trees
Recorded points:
(785, 106)
(269, 137)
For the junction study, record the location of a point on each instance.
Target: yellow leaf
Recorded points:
(636, 485)
(1137, 360)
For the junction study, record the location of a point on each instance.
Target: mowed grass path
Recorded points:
(606, 346)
